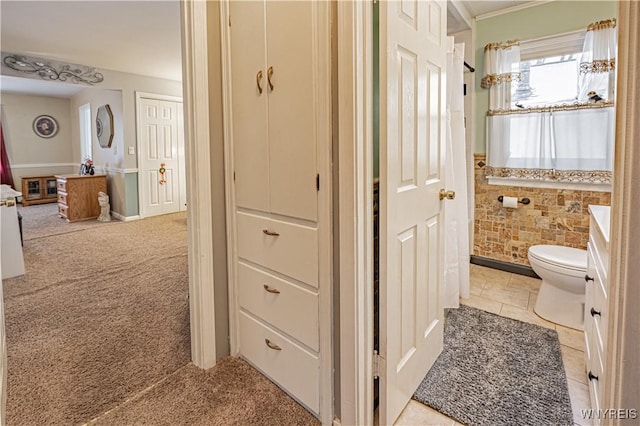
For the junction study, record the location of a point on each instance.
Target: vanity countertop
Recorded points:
(601, 215)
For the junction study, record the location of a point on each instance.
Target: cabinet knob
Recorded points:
(592, 376)
(587, 278)
(594, 312)
(270, 233)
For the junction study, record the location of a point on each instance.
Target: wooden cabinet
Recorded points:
(38, 190)
(281, 136)
(78, 196)
(597, 304)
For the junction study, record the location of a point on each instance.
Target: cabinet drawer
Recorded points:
(293, 368)
(61, 184)
(286, 306)
(62, 198)
(292, 252)
(62, 211)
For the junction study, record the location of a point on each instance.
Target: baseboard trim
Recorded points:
(124, 218)
(504, 266)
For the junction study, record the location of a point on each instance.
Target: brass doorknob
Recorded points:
(10, 202)
(449, 195)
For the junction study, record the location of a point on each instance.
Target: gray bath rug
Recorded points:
(497, 371)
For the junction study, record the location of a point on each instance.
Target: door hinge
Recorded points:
(377, 364)
(318, 182)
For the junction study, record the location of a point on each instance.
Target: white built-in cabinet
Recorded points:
(278, 107)
(596, 314)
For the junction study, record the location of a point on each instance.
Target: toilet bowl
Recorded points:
(561, 295)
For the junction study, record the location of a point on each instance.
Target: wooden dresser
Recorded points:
(78, 196)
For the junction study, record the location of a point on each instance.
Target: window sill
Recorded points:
(539, 183)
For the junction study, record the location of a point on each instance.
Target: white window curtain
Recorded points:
(501, 67)
(598, 60)
(569, 143)
(561, 140)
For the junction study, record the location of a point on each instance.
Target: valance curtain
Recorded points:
(571, 143)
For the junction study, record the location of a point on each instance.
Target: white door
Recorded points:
(160, 165)
(412, 141)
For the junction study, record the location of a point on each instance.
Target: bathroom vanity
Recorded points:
(596, 315)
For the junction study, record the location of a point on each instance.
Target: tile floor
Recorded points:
(514, 296)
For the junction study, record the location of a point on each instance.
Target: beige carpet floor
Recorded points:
(102, 315)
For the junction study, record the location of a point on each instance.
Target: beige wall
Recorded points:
(29, 154)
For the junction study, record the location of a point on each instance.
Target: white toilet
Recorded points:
(561, 296)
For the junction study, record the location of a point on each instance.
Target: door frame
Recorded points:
(355, 182)
(182, 196)
(200, 230)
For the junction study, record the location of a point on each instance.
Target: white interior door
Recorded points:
(412, 141)
(160, 163)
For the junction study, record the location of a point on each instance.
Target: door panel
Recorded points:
(412, 57)
(249, 105)
(160, 148)
(292, 117)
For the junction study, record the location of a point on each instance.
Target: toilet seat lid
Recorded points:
(567, 257)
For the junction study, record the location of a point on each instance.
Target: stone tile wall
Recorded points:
(555, 216)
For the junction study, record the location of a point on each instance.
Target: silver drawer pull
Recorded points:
(272, 345)
(270, 233)
(271, 289)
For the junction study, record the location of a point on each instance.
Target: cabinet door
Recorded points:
(292, 54)
(34, 189)
(249, 106)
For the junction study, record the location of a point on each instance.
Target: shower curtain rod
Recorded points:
(469, 67)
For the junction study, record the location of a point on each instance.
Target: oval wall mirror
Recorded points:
(104, 126)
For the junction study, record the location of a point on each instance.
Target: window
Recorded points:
(84, 114)
(542, 124)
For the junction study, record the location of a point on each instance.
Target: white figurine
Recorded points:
(105, 208)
